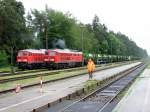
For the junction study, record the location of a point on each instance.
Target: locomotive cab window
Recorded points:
(20, 54)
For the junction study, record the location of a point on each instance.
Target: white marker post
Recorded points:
(18, 88)
(41, 84)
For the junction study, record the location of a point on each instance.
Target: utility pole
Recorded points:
(82, 40)
(46, 39)
(12, 67)
(82, 43)
(111, 49)
(46, 26)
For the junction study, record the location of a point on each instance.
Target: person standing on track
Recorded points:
(91, 68)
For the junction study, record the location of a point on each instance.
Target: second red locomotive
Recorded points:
(59, 58)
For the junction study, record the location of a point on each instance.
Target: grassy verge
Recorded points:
(13, 84)
(5, 69)
(8, 69)
(90, 85)
(21, 75)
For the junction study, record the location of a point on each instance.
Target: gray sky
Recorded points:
(130, 17)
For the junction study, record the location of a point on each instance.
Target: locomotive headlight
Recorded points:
(51, 59)
(45, 59)
(25, 60)
(19, 60)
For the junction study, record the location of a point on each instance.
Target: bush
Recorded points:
(3, 58)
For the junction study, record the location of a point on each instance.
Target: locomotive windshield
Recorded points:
(22, 54)
(52, 53)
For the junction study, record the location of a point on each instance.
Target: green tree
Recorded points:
(3, 58)
(50, 24)
(100, 33)
(13, 30)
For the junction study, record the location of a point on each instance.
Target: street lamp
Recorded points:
(46, 23)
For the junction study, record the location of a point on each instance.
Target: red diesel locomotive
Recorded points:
(56, 58)
(59, 58)
(30, 58)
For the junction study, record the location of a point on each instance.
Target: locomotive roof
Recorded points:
(40, 51)
(66, 51)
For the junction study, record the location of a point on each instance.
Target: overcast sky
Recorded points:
(131, 17)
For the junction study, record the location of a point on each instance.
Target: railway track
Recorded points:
(103, 99)
(37, 83)
(20, 72)
(44, 73)
(3, 74)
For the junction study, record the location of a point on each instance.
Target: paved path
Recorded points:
(137, 99)
(31, 98)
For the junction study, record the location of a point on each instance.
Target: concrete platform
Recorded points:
(137, 99)
(31, 98)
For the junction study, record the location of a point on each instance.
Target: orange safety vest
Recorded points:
(90, 66)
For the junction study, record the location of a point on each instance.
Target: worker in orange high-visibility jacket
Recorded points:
(91, 68)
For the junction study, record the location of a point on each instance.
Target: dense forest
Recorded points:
(41, 29)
